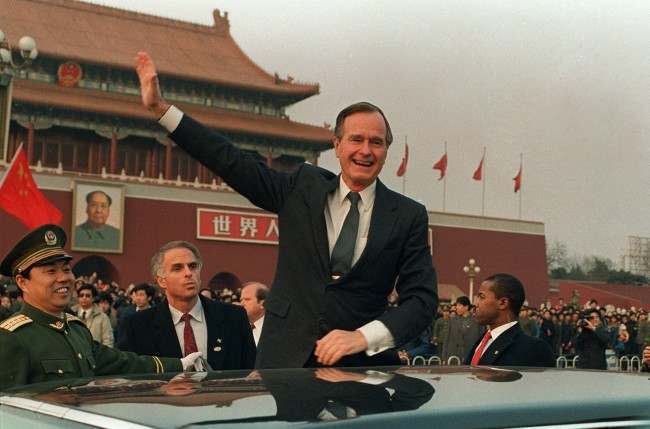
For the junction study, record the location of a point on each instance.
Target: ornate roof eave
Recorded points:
(129, 107)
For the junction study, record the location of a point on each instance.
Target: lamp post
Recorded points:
(8, 69)
(471, 270)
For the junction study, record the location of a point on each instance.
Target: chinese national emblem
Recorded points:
(50, 238)
(69, 74)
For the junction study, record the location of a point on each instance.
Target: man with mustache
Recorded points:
(187, 322)
(345, 240)
(42, 342)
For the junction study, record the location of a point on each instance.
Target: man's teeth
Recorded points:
(363, 163)
(61, 290)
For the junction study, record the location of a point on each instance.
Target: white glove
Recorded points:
(189, 360)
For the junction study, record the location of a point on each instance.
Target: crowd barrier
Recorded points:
(624, 363)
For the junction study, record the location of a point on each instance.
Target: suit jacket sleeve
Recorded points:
(112, 361)
(264, 187)
(125, 335)
(416, 285)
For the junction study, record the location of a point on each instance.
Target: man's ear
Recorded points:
(504, 303)
(20, 281)
(335, 143)
(160, 280)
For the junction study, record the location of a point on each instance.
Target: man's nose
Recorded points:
(365, 147)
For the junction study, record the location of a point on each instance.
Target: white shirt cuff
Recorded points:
(171, 119)
(376, 377)
(377, 336)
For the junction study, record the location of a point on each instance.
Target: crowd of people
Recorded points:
(104, 305)
(569, 330)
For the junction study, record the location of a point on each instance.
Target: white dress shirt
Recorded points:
(375, 332)
(199, 326)
(258, 329)
(494, 334)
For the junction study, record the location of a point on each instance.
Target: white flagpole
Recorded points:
(521, 188)
(404, 175)
(444, 184)
(484, 177)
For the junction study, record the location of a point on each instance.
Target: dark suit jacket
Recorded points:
(515, 348)
(230, 340)
(304, 303)
(305, 396)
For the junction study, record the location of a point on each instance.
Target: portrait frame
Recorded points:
(83, 238)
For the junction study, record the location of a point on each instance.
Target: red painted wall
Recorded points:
(150, 223)
(522, 255)
(147, 225)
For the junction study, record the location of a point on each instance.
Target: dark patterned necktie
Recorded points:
(343, 252)
(188, 336)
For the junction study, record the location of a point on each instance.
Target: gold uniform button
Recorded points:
(60, 371)
(79, 355)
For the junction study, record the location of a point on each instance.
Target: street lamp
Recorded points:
(471, 270)
(8, 68)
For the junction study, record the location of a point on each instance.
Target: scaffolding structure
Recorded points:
(637, 256)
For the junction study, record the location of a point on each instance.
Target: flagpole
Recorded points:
(404, 175)
(521, 165)
(484, 180)
(444, 186)
(11, 164)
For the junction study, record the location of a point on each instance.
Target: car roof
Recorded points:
(441, 397)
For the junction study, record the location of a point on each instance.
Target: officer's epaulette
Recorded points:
(70, 318)
(15, 322)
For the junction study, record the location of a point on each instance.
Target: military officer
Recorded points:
(41, 342)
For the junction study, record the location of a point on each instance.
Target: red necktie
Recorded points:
(188, 336)
(479, 350)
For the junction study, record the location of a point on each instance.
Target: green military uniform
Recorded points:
(106, 237)
(440, 328)
(36, 346)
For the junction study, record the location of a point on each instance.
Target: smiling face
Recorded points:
(48, 287)
(181, 275)
(361, 149)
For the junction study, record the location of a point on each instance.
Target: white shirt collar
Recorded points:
(494, 333)
(196, 312)
(367, 194)
(259, 322)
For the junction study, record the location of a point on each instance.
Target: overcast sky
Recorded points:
(566, 83)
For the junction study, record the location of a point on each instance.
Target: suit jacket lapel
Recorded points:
(165, 332)
(316, 202)
(382, 222)
(216, 341)
(503, 341)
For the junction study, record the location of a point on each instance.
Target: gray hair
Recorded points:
(157, 258)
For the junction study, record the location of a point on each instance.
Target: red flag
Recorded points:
(517, 180)
(441, 165)
(478, 174)
(20, 197)
(402, 167)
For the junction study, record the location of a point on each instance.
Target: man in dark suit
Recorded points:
(186, 322)
(345, 241)
(505, 344)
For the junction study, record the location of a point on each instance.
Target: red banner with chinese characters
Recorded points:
(230, 225)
